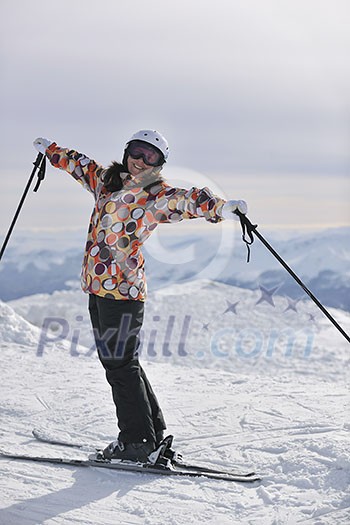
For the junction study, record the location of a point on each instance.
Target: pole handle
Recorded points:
(38, 163)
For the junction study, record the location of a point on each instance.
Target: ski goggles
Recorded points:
(150, 155)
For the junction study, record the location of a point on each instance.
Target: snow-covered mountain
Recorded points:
(242, 380)
(37, 262)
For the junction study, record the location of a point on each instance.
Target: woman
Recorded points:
(131, 199)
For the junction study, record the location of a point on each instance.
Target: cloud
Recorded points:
(235, 86)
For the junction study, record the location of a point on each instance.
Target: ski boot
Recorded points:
(128, 451)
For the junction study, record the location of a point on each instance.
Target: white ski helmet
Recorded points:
(152, 137)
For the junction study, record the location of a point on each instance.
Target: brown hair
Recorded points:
(112, 179)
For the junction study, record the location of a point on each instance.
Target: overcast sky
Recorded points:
(253, 94)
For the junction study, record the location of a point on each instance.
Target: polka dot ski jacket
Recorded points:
(113, 265)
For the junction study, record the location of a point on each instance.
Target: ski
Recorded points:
(201, 468)
(130, 466)
(46, 437)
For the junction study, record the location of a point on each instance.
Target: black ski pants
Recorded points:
(116, 326)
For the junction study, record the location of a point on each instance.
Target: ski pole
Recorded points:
(251, 229)
(40, 162)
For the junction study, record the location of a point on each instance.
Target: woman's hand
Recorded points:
(229, 208)
(41, 145)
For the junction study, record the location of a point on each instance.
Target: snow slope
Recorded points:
(235, 385)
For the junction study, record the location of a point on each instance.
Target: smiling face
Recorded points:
(137, 166)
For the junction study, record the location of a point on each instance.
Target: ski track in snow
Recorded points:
(285, 416)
